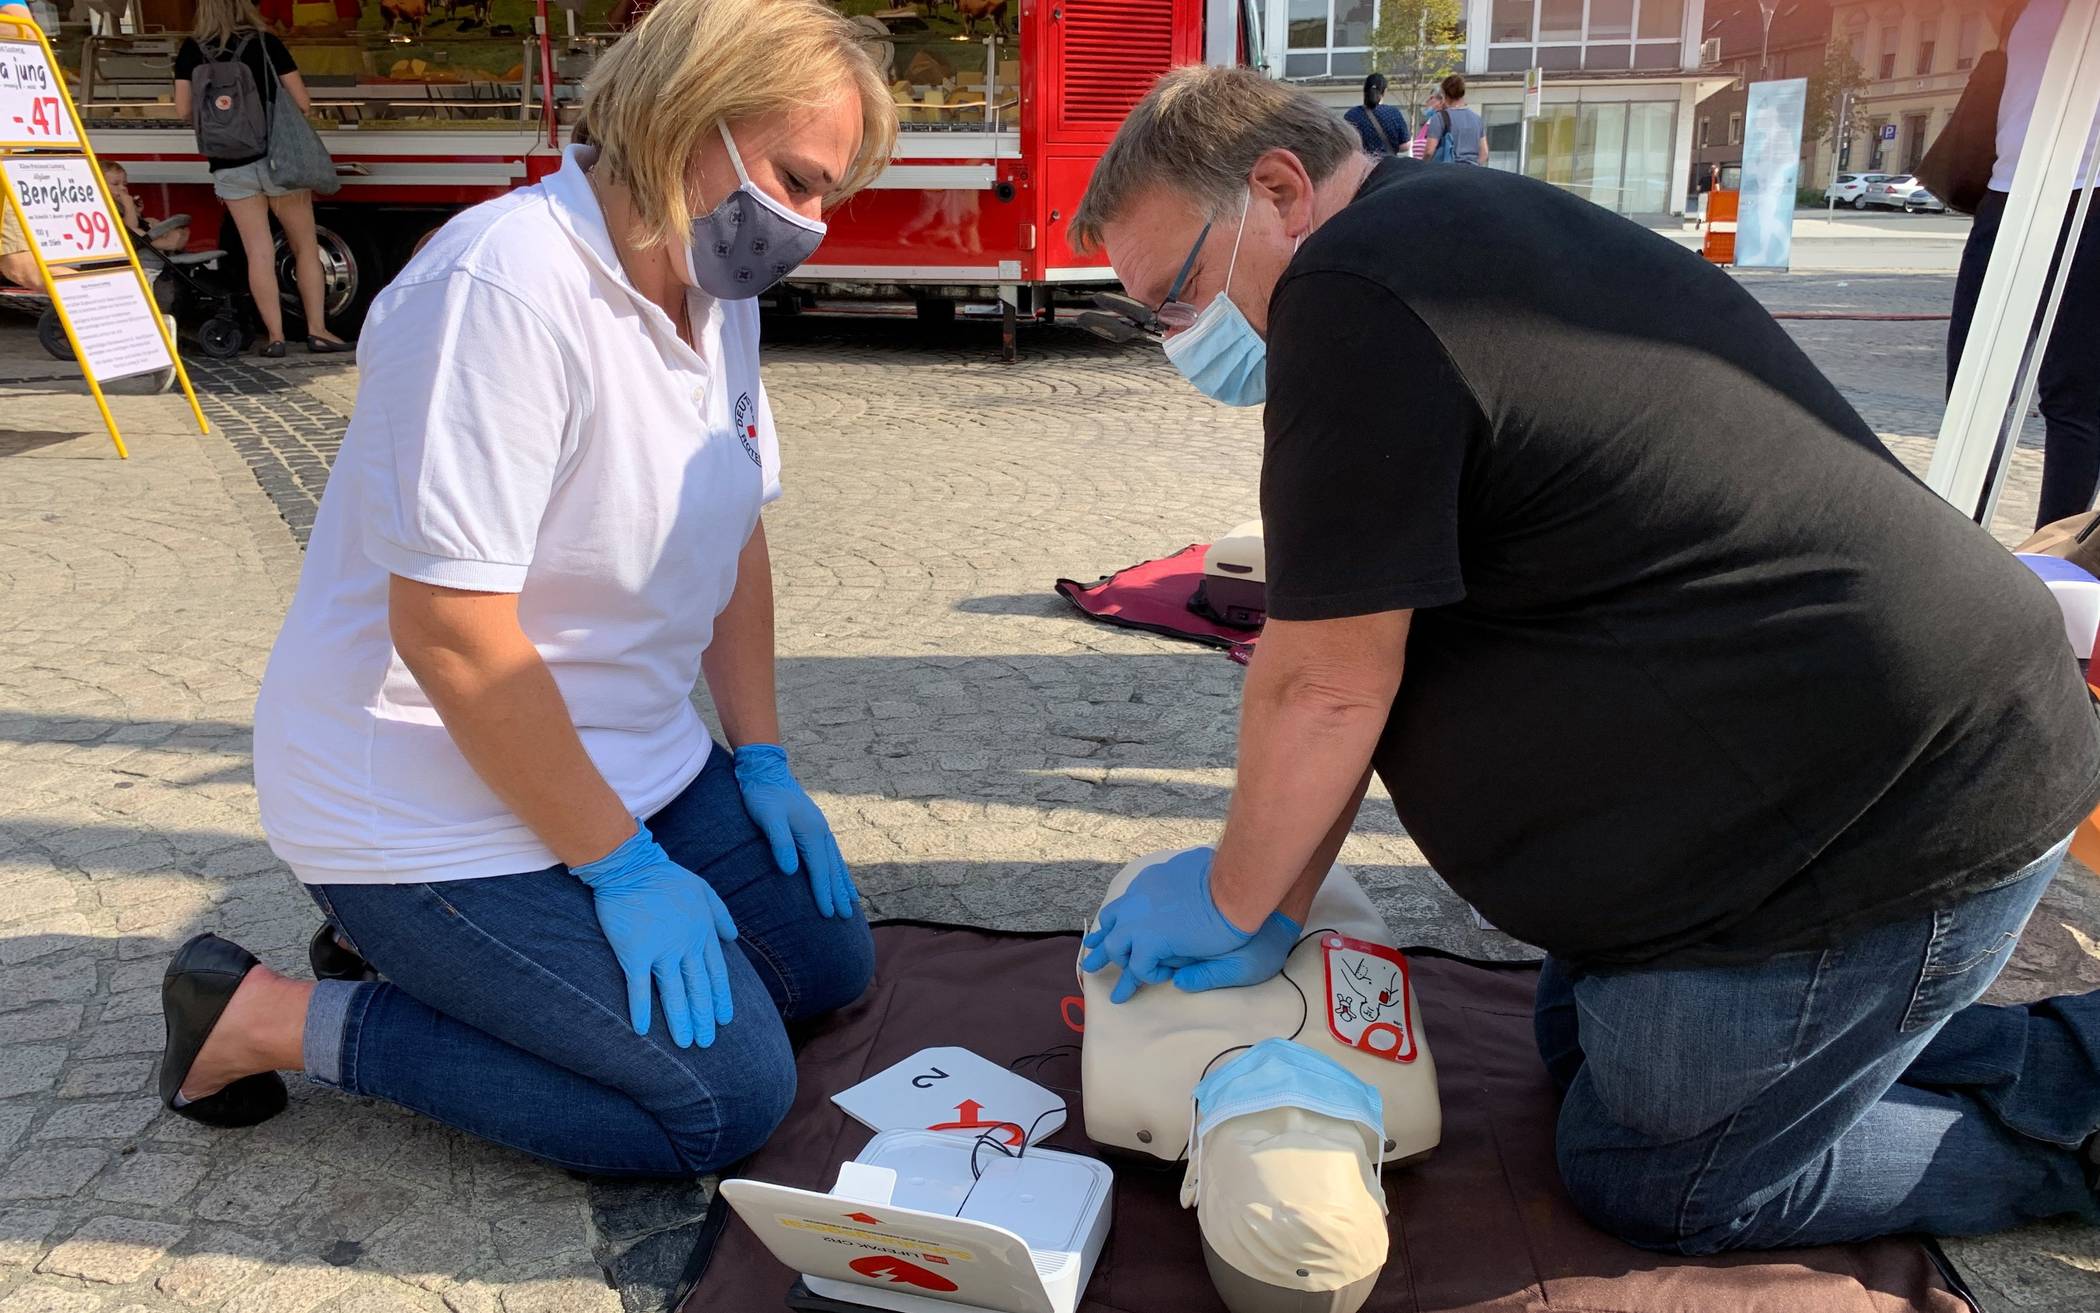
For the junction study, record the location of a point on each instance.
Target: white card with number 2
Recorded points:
(953, 1089)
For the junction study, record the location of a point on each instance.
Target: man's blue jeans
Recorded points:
(1826, 1095)
(503, 1013)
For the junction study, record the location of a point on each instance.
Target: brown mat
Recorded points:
(1482, 1224)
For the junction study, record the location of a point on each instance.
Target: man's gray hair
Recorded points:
(1199, 132)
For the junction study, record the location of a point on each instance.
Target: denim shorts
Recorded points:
(246, 180)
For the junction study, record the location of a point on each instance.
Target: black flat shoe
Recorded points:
(273, 350)
(199, 984)
(323, 346)
(332, 961)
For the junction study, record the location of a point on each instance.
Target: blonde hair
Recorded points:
(220, 21)
(1199, 132)
(691, 64)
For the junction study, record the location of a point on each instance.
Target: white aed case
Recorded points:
(908, 1228)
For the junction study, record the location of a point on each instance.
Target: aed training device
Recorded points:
(1344, 992)
(1288, 1099)
(930, 1222)
(1235, 579)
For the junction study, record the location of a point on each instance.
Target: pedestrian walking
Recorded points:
(475, 744)
(2069, 386)
(248, 71)
(1456, 134)
(1432, 106)
(1383, 128)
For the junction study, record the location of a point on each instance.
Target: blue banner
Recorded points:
(1764, 234)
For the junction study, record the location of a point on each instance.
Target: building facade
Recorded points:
(1623, 83)
(1793, 47)
(1916, 55)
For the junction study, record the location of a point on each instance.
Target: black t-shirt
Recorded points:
(1698, 671)
(266, 58)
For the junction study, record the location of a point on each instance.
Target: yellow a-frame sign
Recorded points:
(52, 184)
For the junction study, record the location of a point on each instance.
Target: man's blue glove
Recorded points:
(664, 922)
(790, 820)
(1163, 921)
(1257, 960)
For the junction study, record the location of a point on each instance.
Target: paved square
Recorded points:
(985, 755)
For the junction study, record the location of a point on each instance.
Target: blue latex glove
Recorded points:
(1253, 962)
(790, 821)
(1163, 921)
(665, 923)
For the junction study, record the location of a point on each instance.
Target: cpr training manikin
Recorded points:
(1287, 1100)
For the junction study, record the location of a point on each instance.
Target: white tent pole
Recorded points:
(1968, 453)
(2031, 377)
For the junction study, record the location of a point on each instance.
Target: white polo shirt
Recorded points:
(526, 422)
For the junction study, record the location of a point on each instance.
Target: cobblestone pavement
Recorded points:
(985, 756)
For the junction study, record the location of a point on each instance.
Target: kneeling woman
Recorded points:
(475, 743)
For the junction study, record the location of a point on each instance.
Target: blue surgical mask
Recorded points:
(747, 243)
(1221, 353)
(1282, 1073)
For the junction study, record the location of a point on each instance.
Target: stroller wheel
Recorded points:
(51, 335)
(219, 337)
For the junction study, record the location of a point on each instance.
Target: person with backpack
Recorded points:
(1383, 128)
(230, 75)
(1456, 134)
(1432, 106)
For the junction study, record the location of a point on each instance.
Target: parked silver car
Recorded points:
(1851, 188)
(1903, 192)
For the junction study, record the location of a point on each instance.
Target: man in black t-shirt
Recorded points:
(1668, 664)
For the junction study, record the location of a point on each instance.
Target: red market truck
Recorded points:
(1004, 108)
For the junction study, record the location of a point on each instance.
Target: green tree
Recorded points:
(1416, 44)
(1840, 76)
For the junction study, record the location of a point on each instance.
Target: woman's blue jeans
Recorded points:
(503, 1013)
(1829, 1095)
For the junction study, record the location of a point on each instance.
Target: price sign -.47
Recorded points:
(32, 104)
(69, 218)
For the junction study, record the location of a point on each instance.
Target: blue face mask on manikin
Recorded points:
(1281, 1073)
(1221, 353)
(747, 243)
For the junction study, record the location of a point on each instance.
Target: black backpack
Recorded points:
(232, 118)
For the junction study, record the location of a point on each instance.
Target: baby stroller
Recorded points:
(205, 312)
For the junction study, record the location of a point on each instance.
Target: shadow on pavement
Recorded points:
(18, 442)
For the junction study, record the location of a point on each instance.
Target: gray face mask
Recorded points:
(747, 243)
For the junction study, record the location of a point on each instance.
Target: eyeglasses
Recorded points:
(1125, 319)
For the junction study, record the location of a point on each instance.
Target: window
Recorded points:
(1662, 18)
(1332, 38)
(1510, 21)
(1613, 153)
(1735, 129)
(1560, 20)
(1612, 35)
(1327, 38)
(1706, 128)
(1856, 46)
(1928, 41)
(1969, 37)
(1611, 20)
(1889, 37)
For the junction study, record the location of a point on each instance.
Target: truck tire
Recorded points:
(349, 270)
